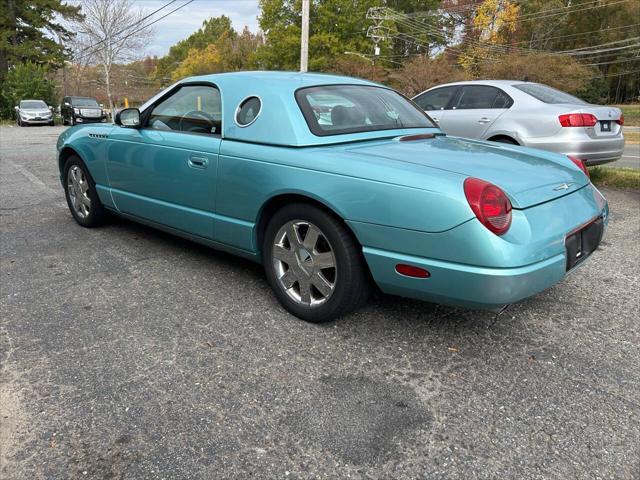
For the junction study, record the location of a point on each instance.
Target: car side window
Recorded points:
(475, 97)
(191, 109)
(437, 99)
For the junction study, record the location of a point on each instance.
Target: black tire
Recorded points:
(352, 284)
(97, 214)
(64, 121)
(506, 140)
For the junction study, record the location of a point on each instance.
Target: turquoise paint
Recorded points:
(404, 201)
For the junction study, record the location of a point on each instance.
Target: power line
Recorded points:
(151, 23)
(429, 29)
(621, 60)
(604, 30)
(129, 26)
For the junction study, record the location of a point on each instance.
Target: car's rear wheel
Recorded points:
(506, 140)
(81, 194)
(313, 264)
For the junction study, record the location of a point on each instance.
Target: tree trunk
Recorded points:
(107, 78)
(4, 54)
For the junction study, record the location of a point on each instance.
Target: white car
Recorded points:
(528, 114)
(33, 112)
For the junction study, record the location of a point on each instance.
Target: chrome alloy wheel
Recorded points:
(304, 263)
(78, 188)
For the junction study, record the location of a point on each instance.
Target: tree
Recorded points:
(336, 27)
(210, 33)
(27, 28)
(215, 47)
(116, 32)
(199, 62)
(27, 80)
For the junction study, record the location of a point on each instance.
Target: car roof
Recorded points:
(32, 100)
(280, 121)
(280, 79)
(496, 83)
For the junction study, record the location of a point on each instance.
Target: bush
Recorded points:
(420, 73)
(25, 80)
(354, 66)
(557, 71)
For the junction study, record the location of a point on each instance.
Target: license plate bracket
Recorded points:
(581, 243)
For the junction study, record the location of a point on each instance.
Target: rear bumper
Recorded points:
(470, 266)
(463, 285)
(591, 151)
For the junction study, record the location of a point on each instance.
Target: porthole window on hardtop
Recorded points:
(248, 111)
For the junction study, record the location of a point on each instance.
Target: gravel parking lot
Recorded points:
(128, 353)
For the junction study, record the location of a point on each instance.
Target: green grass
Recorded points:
(632, 138)
(631, 114)
(627, 178)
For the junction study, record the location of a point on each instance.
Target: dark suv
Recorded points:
(81, 110)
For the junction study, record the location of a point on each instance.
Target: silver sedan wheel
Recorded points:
(78, 188)
(304, 263)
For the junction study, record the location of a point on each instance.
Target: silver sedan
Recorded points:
(528, 114)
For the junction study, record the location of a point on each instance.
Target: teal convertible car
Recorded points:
(336, 184)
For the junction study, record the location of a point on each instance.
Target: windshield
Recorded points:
(33, 105)
(84, 102)
(337, 109)
(547, 94)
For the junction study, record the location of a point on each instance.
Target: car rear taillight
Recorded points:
(490, 204)
(580, 164)
(620, 121)
(577, 120)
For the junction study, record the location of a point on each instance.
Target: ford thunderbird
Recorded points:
(337, 185)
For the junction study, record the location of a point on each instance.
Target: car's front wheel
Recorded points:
(81, 194)
(313, 264)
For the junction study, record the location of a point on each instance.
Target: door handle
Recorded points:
(484, 120)
(198, 162)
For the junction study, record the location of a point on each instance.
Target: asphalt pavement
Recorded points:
(129, 353)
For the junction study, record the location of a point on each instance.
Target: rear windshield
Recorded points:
(547, 94)
(84, 102)
(33, 104)
(338, 109)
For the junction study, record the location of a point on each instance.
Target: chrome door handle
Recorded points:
(198, 162)
(484, 120)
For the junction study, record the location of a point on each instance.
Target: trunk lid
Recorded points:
(529, 177)
(607, 125)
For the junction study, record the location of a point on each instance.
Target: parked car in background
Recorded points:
(81, 110)
(528, 114)
(331, 182)
(33, 112)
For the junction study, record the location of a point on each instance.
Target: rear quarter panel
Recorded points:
(369, 191)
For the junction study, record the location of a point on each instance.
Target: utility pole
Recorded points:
(304, 41)
(64, 69)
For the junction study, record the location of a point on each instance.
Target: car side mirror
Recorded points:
(16, 108)
(129, 118)
(50, 108)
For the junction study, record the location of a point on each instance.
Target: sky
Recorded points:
(182, 23)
